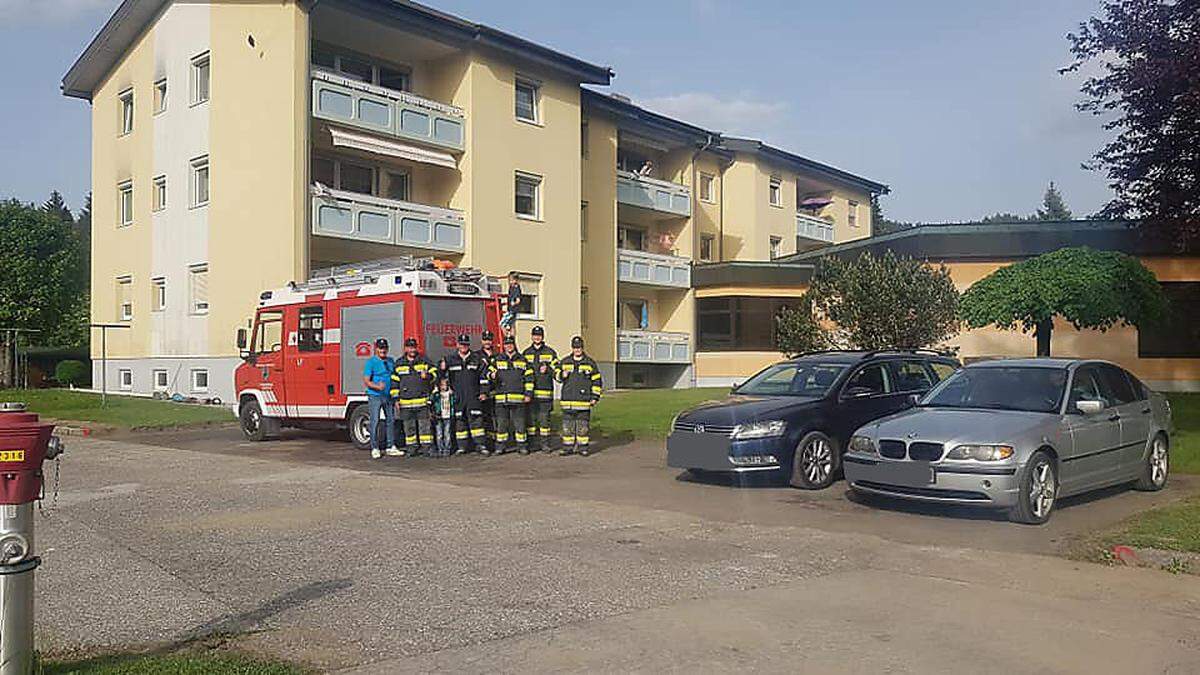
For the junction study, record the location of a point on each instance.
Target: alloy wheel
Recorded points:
(816, 460)
(1158, 461)
(1042, 489)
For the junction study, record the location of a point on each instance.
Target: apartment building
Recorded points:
(241, 144)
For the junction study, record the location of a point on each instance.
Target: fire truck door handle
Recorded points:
(329, 388)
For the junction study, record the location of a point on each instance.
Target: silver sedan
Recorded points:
(1018, 434)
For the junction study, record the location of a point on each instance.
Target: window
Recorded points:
(1178, 336)
(707, 183)
(361, 178)
(911, 376)
(200, 79)
(268, 332)
(852, 215)
(125, 203)
(311, 335)
(125, 378)
(530, 306)
(357, 178)
(1115, 386)
(706, 247)
(363, 70)
(124, 298)
(872, 380)
(397, 185)
(631, 238)
(528, 193)
(583, 307)
(633, 314)
(160, 379)
(199, 192)
(793, 379)
(942, 370)
(198, 289)
(738, 323)
(126, 99)
(774, 244)
(583, 221)
(775, 191)
(158, 294)
(160, 193)
(527, 93)
(160, 96)
(199, 379)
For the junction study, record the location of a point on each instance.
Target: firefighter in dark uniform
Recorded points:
(544, 360)
(581, 387)
(412, 383)
(467, 374)
(488, 403)
(512, 386)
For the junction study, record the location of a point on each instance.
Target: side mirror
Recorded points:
(734, 388)
(1090, 407)
(914, 399)
(859, 392)
(241, 339)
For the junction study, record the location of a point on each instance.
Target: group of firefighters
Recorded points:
(484, 400)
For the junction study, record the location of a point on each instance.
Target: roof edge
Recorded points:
(755, 146)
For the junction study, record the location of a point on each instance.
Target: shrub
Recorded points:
(71, 373)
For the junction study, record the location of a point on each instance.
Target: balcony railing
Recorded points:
(653, 269)
(386, 111)
(814, 228)
(644, 346)
(654, 194)
(350, 215)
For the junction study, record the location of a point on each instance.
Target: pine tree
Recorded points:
(57, 207)
(1053, 206)
(83, 232)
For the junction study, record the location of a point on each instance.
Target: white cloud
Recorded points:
(47, 11)
(741, 115)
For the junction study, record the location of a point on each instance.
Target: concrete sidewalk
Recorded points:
(348, 569)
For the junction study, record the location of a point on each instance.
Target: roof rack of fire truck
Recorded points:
(369, 272)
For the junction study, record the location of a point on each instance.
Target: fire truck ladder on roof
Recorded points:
(368, 272)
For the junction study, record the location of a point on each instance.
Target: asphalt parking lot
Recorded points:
(635, 474)
(308, 550)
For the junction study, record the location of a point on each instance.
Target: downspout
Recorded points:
(708, 142)
(721, 214)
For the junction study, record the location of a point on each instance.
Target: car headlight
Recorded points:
(981, 453)
(862, 445)
(765, 429)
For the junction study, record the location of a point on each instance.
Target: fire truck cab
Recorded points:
(305, 351)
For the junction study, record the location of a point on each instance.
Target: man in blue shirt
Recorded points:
(377, 374)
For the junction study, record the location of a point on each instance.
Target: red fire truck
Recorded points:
(306, 350)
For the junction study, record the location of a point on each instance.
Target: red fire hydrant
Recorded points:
(25, 443)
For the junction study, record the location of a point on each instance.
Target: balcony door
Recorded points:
(631, 238)
(344, 175)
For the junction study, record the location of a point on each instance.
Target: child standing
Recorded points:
(443, 414)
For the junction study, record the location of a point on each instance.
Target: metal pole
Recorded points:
(16, 595)
(103, 366)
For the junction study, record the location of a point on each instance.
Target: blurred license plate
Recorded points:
(913, 473)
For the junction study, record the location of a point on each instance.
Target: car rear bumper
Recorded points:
(995, 487)
(711, 452)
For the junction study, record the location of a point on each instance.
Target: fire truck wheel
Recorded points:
(254, 425)
(359, 423)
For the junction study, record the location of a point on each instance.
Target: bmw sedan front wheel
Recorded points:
(816, 462)
(1158, 465)
(1039, 490)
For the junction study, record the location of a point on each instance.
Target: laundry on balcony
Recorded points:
(815, 203)
(380, 146)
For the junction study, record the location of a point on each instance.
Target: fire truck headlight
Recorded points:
(13, 548)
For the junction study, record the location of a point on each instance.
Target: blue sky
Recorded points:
(956, 105)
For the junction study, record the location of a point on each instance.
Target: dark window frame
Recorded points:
(742, 323)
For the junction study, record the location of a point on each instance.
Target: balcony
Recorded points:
(653, 269)
(653, 194)
(814, 228)
(349, 215)
(385, 111)
(642, 346)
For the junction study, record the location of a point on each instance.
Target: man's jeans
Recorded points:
(382, 404)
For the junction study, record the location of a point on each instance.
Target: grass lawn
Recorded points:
(1185, 451)
(198, 663)
(121, 411)
(1171, 528)
(646, 413)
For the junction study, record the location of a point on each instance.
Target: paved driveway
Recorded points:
(311, 551)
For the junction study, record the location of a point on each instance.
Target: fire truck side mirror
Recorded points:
(241, 339)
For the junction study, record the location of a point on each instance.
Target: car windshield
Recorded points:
(793, 379)
(1030, 389)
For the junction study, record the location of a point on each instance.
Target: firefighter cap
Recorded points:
(537, 330)
(381, 343)
(464, 339)
(410, 342)
(487, 335)
(510, 340)
(577, 342)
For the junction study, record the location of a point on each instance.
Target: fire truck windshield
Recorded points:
(268, 332)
